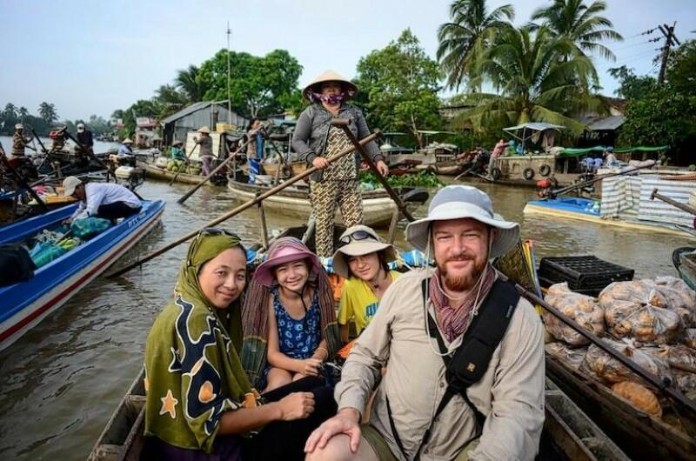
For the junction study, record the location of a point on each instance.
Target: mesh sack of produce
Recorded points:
(690, 338)
(638, 310)
(570, 357)
(583, 309)
(610, 370)
(86, 228)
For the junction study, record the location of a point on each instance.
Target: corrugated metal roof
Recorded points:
(186, 111)
(606, 123)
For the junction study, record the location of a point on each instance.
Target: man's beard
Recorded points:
(460, 283)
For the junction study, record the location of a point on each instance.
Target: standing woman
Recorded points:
(206, 149)
(200, 404)
(289, 317)
(362, 259)
(315, 140)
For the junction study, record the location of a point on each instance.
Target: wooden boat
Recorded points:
(638, 434)
(296, 168)
(684, 261)
(568, 433)
(25, 304)
(378, 207)
(153, 171)
(627, 202)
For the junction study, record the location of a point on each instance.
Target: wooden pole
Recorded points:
(360, 146)
(672, 202)
(599, 178)
(243, 207)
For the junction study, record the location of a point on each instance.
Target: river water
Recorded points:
(60, 382)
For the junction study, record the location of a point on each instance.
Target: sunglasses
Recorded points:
(216, 231)
(356, 236)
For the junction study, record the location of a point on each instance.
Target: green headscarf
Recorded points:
(203, 249)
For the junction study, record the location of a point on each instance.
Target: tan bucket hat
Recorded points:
(204, 129)
(359, 240)
(329, 76)
(128, 141)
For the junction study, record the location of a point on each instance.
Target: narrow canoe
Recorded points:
(153, 171)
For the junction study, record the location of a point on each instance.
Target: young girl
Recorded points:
(289, 317)
(362, 259)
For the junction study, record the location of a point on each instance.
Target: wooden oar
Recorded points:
(360, 146)
(210, 175)
(245, 206)
(580, 185)
(188, 161)
(630, 364)
(671, 201)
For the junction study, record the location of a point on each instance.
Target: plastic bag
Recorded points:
(610, 370)
(639, 310)
(86, 228)
(583, 309)
(45, 252)
(572, 358)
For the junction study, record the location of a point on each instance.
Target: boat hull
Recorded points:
(582, 209)
(378, 207)
(25, 304)
(154, 172)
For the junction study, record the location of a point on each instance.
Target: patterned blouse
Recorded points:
(298, 339)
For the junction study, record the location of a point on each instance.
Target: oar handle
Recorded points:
(598, 178)
(343, 124)
(671, 201)
(631, 365)
(245, 206)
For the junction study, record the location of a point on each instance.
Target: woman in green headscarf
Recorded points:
(200, 404)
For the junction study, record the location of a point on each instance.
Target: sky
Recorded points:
(93, 57)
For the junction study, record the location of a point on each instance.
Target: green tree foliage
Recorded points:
(532, 82)
(189, 83)
(48, 112)
(632, 86)
(681, 69)
(581, 24)
(462, 41)
(258, 86)
(400, 84)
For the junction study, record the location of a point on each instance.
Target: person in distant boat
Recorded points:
(177, 153)
(363, 260)
(86, 140)
(19, 141)
(610, 160)
(464, 352)
(255, 139)
(498, 151)
(125, 148)
(103, 200)
(205, 143)
(200, 405)
(289, 317)
(315, 140)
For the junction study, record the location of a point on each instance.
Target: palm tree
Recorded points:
(48, 112)
(581, 24)
(463, 40)
(533, 84)
(188, 81)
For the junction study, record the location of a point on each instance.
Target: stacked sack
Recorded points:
(651, 321)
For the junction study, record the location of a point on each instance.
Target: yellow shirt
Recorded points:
(358, 302)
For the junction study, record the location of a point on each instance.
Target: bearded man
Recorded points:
(423, 319)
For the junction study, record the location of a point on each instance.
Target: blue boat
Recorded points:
(25, 304)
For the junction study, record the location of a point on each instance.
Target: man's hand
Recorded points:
(297, 405)
(382, 168)
(345, 422)
(320, 162)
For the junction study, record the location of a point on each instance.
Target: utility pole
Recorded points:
(229, 98)
(670, 41)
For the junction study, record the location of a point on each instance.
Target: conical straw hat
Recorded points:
(329, 76)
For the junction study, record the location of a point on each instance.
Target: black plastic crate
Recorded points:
(585, 274)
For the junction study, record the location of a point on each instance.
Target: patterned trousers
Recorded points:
(326, 196)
